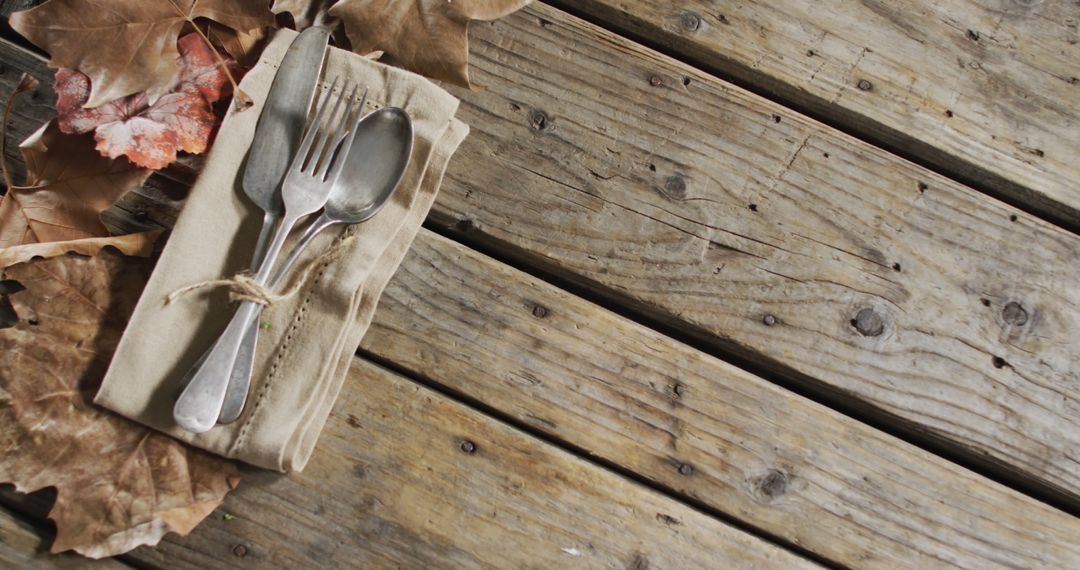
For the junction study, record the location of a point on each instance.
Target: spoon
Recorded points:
(377, 161)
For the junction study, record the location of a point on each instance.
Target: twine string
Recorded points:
(244, 287)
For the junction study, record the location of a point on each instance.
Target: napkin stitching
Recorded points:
(344, 239)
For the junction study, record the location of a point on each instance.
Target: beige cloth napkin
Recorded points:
(304, 352)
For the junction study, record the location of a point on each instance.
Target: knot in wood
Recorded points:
(655, 80)
(864, 85)
(686, 470)
(539, 120)
(240, 551)
(675, 187)
(690, 21)
(539, 311)
(1014, 314)
(868, 322)
(773, 484)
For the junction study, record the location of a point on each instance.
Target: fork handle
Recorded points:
(199, 405)
(240, 377)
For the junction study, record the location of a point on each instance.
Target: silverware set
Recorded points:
(347, 165)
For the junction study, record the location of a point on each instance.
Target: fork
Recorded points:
(312, 173)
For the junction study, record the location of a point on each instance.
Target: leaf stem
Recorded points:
(26, 83)
(243, 101)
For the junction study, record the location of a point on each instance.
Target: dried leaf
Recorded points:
(150, 134)
(305, 13)
(429, 37)
(126, 47)
(136, 245)
(119, 485)
(244, 47)
(68, 185)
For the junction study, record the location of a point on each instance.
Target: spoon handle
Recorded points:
(199, 405)
(240, 378)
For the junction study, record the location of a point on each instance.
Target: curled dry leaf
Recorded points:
(119, 485)
(429, 37)
(68, 185)
(150, 134)
(139, 244)
(127, 46)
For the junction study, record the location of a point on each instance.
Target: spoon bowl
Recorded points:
(381, 149)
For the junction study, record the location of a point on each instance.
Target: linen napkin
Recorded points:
(306, 341)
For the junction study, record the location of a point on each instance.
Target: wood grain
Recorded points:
(948, 314)
(696, 203)
(697, 425)
(390, 486)
(984, 89)
(21, 547)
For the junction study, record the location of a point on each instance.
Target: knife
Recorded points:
(277, 136)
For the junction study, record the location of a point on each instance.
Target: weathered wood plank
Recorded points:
(697, 425)
(390, 486)
(700, 205)
(985, 89)
(528, 184)
(21, 547)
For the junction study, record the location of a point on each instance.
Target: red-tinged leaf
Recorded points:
(150, 134)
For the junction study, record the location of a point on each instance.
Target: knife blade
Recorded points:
(277, 136)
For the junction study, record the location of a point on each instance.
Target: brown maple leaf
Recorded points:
(68, 185)
(429, 37)
(119, 485)
(150, 134)
(127, 46)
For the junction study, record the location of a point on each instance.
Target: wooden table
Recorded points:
(710, 284)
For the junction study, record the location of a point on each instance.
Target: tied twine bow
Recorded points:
(244, 287)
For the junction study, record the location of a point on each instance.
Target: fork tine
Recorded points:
(301, 155)
(343, 152)
(331, 147)
(323, 147)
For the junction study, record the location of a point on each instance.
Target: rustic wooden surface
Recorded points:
(765, 235)
(943, 311)
(21, 547)
(390, 486)
(984, 89)
(692, 423)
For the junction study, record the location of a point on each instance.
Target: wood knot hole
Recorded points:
(686, 470)
(690, 21)
(864, 85)
(1014, 313)
(868, 322)
(539, 311)
(539, 120)
(999, 362)
(655, 80)
(675, 187)
(239, 551)
(773, 484)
